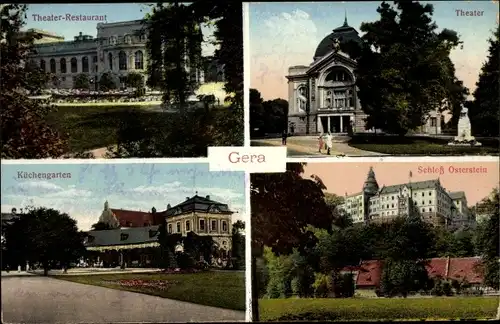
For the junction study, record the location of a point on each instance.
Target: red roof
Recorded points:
(370, 271)
(437, 268)
(132, 218)
(465, 268)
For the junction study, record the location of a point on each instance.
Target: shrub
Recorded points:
(447, 291)
(322, 285)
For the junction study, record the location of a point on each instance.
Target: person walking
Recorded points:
(283, 137)
(329, 144)
(320, 142)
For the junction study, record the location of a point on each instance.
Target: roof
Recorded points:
(198, 204)
(134, 235)
(344, 34)
(456, 195)
(413, 185)
(132, 218)
(369, 272)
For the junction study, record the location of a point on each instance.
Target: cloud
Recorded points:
(290, 39)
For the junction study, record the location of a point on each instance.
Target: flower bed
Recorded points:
(139, 283)
(177, 270)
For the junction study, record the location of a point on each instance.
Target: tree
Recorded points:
(174, 47)
(257, 113)
(238, 243)
(484, 113)
(45, 236)
(100, 226)
(276, 115)
(25, 131)
(168, 243)
(198, 246)
(487, 245)
(107, 82)
(403, 68)
(135, 80)
(82, 81)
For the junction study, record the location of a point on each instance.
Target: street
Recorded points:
(35, 299)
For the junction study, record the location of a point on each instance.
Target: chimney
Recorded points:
(80, 34)
(168, 206)
(187, 198)
(208, 197)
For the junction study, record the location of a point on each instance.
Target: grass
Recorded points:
(328, 309)
(415, 145)
(92, 127)
(223, 289)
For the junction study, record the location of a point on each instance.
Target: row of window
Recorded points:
(187, 226)
(122, 63)
(339, 99)
(127, 39)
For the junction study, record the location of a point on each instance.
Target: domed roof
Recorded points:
(343, 34)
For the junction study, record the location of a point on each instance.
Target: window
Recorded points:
(122, 60)
(422, 194)
(139, 60)
(430, 193)
(202, 224)
(188, 226)
(52, 66)
(128, 39)
(430, 202)
(42, 65)
(178, 227)
(423, 210)
(110, 61)
(123, 237)
(74, 65)
(170, 228)
(112, 40)
(62, 62)
(214, 225)
(224, 226)
(392, 197)
(94, 62)
(430, 209)
(433, 122)
(85, 64)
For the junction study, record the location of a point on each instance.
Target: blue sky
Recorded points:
(115, 12)
(287, 34)
(137, 186)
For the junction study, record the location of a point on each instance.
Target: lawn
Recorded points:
(328, 309)
(420, 145)
(223, 289)
(92, 127)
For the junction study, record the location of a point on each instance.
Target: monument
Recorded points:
(464, 137)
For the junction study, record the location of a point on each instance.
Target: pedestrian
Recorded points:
(320, 139)
(283, 137)
(329, 144)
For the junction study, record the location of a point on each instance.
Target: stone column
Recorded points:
(79, 64)
(131, 60)
(329, 118)
(341, 122)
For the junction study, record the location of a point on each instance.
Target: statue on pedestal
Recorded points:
(464, 136)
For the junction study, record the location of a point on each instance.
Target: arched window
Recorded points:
(42, 65)
(128, 39)
(94, 63)
(85, 64)
(52, 66)
(188, 226)
(74, 65)
(139, 60)
(63, 65)
(122, 60)
(110, 61)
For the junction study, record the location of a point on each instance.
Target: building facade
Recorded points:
(133, 237)
(118, 49)
(323, 95)
(428, 200)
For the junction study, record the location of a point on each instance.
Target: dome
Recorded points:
(344, 34)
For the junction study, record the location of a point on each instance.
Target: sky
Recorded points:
(115, 12)
(287, 34)
(138, 186)
(342, 178)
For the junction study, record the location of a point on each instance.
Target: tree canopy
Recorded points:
(404, 70)
(46, 236)
(483, 111)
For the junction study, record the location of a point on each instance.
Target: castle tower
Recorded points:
(370, 187)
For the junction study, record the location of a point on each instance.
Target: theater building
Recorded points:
(323, 96)
(133, 239)
(118, 49)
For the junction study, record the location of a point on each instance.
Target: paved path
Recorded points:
(308, 145)
(34, 299)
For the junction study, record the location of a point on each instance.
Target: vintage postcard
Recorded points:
(375, 78)
(99, 243)
(377, 241)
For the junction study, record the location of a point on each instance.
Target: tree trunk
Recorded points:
(255, 291)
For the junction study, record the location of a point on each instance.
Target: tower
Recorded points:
(370, 189)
